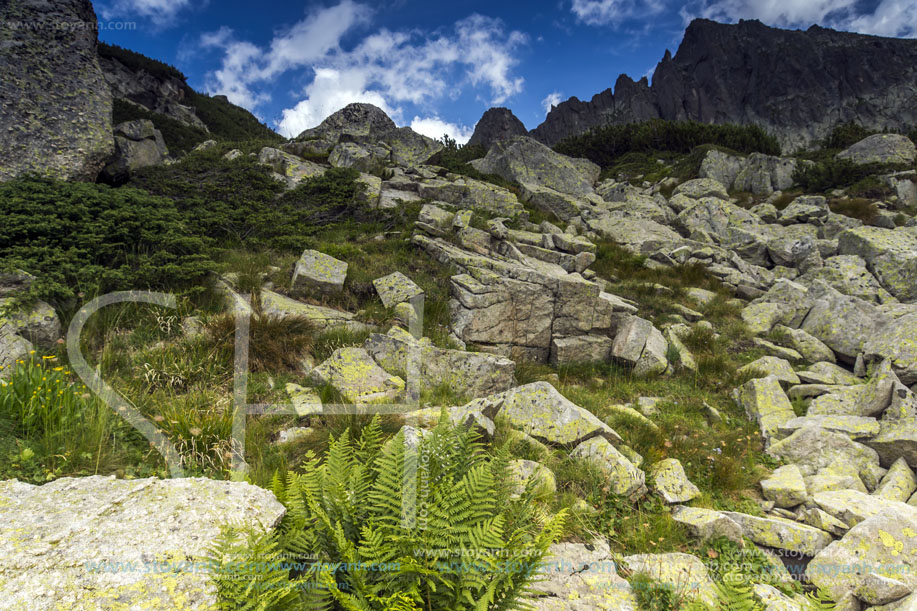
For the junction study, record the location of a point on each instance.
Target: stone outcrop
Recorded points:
(796, 84)
(166, 95)
(55, 106)
(138, 144)
(475, 374)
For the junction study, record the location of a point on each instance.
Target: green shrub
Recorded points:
(845, 135)
(604, 145)
(837, 173)
(179, 137)
(78, 237)
(135, 61)
(469, 547)
(228, 122)
(239, 202)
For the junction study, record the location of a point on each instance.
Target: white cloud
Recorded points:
(434, 127)
(891, 18)
(386, 68)
(551, 100)
(612, 12)
(160, 12)
(888, 18)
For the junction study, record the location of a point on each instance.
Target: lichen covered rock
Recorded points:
(104, 543)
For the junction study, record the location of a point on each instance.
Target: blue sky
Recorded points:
(437, 66)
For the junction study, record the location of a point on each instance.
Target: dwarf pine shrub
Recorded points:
(604, 145)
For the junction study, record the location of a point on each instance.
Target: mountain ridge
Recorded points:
(797, 84)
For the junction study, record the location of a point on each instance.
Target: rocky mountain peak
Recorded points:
(797, 84)
(357, 122)
(496, 124)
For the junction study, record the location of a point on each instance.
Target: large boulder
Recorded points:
(316, 271)
(759, 174)
(849, 275)
(396, 288)
(581, 577)
(765, 402)
(105, 543)
(527, 161)
(475, 374)
(138, 144)
(37, 323)
(56, 105)
(408, 148)
(891, 256)
(785, 487)
(13, 348)
(624, 478)
(671, 483)
(287, 168)
(540, 411)
(813, 448)
(763, 174)
(707, 524)
(881, 148)
(884, 544)
(842, 322)
(896, 341)
(357, 377)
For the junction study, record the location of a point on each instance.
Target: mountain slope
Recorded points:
(141, 86)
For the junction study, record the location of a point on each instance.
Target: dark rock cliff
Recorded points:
(797, 84)
(55, 107)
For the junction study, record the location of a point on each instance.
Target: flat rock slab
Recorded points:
(540, 411)
(318, 271)
(578, 577)
(102, 543)
(852, 506)
(855, 427)
(782, 534)
(824, 372)
(354, 373)
(323, 318)
(684, 573)
(396, 288)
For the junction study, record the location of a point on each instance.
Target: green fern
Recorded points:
(250, 574)
(735, 594)
(820, 601)
(361, 545)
